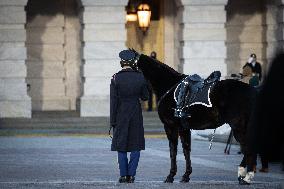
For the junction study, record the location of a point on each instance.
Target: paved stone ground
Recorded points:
(87, 162)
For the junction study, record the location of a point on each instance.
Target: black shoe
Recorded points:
(131, 179)
(123, 179)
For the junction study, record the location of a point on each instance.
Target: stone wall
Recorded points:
(246, 33)
(14, 101)
(54, 54)
(274, 32)
(203, 37)
(252, 27)
(170, 13)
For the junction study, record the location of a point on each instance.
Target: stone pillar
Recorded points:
(280, 24)
(280, 21)
(274, 10)
(14, 101)
(170, 11)
(203, 48)
(104, 37)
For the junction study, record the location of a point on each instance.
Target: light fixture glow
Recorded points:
(144, 16)
(131, 17)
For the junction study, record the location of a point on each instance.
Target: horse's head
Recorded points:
(161, 76)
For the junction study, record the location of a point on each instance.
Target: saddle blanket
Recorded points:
(202, 97)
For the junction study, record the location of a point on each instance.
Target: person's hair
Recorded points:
(153, 54)
(124, 63)
(253, 55)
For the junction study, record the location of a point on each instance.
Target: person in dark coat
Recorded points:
(127, 88)
(255, 68)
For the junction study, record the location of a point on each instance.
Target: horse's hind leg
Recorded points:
(185, 136)
(242, 168)
(250, 160)
(172, 134)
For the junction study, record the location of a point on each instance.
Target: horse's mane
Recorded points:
(161, 76)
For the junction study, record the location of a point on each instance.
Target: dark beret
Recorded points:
(127, 55)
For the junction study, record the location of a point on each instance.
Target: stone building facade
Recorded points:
(61, 54)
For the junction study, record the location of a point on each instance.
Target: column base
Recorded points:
(15, 108)
(94, 106)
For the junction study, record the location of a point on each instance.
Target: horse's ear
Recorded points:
(133, 50)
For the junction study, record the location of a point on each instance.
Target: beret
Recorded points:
(126, 55)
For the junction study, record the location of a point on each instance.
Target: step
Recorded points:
(68, 120)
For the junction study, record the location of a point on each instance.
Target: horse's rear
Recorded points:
(235, 102)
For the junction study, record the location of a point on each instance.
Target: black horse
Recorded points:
(231, 103)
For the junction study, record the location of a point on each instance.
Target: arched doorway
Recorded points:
(54, 54)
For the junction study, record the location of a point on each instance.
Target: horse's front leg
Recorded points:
(173, 143)
(185, 136)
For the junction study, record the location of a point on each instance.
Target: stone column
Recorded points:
(14, 101)
(203, 48)
(169, 43)
(278, 23)
(104, 37)
(274, 29)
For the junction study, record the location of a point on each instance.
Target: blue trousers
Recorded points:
(125, 167)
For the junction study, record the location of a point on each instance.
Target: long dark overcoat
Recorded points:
(126, 89)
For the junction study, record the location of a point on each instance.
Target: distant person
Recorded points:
(127, 88)
(255, 71)
(150, 89)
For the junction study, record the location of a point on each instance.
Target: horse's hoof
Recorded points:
(169, 179)
(185, 179)
(243, 182)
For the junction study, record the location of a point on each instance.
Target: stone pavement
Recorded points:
(87, 162)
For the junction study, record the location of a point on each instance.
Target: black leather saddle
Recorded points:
(196, 91)
(200, 97)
